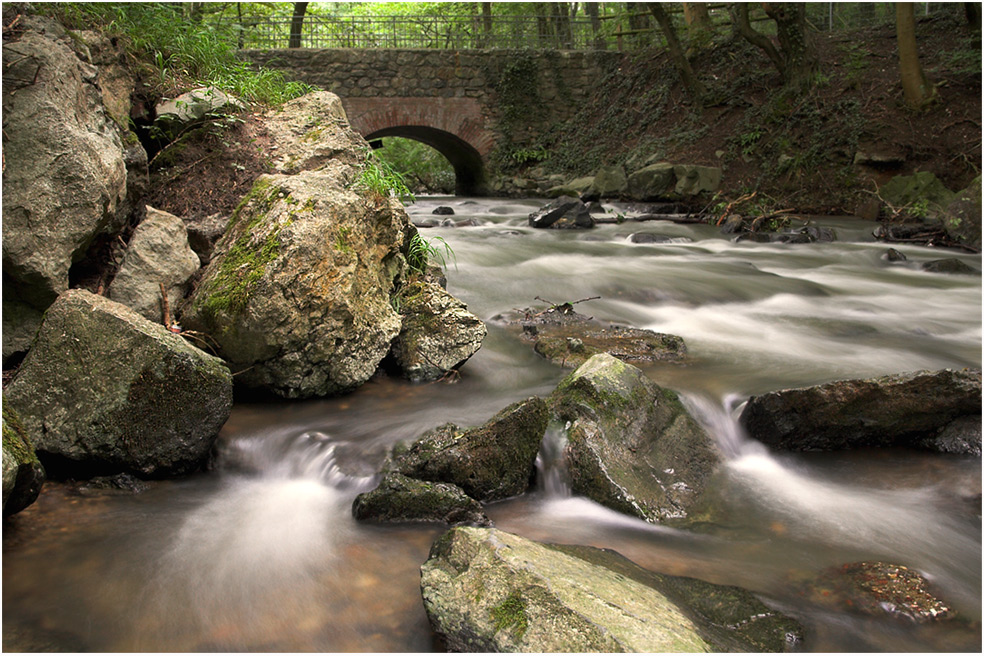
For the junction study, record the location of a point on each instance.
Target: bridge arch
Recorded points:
(455, 127)
(469, 169)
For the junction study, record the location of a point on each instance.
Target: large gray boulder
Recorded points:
(158, 253)
(64, 173)
(908, 409)
(652, 182)
(20, 323)
(632, 446)
(489, 462)
(23, 474)
(609, 181)
(438, 335)
(310, 131)
(297, 294)
(105, 390)
(692, 179)
(485, 590)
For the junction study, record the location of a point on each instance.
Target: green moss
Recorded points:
(243, 266)
(511, 614)
(15, 439)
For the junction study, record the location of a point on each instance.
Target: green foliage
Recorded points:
(379, 177)
(421, 252)
(180, 51)
(422, 167)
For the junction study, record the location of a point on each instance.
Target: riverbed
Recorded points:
(262, 554)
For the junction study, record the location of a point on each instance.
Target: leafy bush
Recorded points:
(421, 167)
(177, 51)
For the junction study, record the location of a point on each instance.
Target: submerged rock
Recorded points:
(909, 409)
(438, 334)
(572, 346)
(875, 588)
(568, 338)
(485, 590)
(632, 446)
(489, 462)
(104, 390)
(399, 498)
(23, 474)
(949, 265)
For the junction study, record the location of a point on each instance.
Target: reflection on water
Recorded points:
(263, 554)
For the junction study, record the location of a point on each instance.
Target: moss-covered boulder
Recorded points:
(692, 179)
(961, 218)
(297, 294)
(23, 474)
(490, 591)
(489, 462)
(399, 498)
(438, 334)
(105, 390)
(609, 181)
(652, 182)
(908, 409)
(921, 190)
(632, 445)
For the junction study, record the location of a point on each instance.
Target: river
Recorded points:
(262, 554)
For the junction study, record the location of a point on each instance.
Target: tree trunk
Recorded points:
(795, 59)
(699, 27)
(542, 24)
(676, 52)
(973, 12)
(795, 42)
(757, 39)
(591, 9)
(296, 23)
(487, 23)
(916, 88)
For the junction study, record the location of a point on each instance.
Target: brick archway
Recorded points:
(454, 127)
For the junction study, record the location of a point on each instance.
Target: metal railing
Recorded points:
(626, 31)
(425, 32)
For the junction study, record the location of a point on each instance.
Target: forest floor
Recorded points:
(798, 148)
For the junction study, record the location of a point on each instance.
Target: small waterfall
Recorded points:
(720, 418)
(552, 474)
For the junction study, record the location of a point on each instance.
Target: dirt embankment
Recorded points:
(800, 148)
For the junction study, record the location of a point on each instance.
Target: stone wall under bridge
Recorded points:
(467, 104)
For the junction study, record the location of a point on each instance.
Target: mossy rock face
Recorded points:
(23, 474)
(962, 217)
(920, 188)
(438, 335)
(491, 591)
(489, 462)
(297, 294)
(105, 390)
(398, 498)
(909, 409)
(632, 445)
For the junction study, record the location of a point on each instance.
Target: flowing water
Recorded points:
(262, 554)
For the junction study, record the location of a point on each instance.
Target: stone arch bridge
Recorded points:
(466, 104)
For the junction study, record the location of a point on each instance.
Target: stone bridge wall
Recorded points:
(488, 98)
